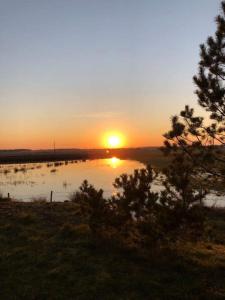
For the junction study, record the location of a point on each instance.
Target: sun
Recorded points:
(113, 140)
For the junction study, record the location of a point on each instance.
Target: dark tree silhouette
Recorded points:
(92, 205)
(199, 140)
(135, 198)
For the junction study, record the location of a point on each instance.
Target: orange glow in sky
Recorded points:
(44, 137)
(70, 82)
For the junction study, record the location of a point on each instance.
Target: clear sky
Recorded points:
(72, 70)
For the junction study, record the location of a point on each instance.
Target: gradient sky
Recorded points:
(72, 70)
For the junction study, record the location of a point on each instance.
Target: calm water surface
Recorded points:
(26, 182)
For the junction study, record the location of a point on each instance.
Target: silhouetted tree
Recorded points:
(135, 198)
(181, 201)
(93, 207)
(137, 215)
(202, 141)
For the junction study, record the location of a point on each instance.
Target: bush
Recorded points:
(92, 206)
(138, 216)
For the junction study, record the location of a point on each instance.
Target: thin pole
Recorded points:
(51, 194)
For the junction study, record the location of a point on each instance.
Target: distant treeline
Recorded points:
(144, 155)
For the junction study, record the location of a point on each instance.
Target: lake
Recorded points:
(26, 182)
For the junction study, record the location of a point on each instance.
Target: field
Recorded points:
(47, 253)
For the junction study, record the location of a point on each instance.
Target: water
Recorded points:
(26, 182)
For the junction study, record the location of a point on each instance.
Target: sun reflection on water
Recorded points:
(114, 162)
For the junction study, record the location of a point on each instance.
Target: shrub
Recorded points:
(135, 198)
(136, 215)
(92, 206)
(181, 201)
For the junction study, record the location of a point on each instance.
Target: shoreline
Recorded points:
(146, 155)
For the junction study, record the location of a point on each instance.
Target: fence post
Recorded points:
(51, 194)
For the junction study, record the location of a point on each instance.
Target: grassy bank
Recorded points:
(46, 252)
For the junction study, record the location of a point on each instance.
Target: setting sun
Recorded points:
(113, 140)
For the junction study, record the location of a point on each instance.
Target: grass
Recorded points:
(46, 252)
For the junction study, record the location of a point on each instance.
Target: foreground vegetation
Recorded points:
(47, 251)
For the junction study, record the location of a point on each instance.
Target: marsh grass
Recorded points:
(40, 200)
(48, 252)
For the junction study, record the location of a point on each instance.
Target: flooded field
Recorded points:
(35, 181)
(26, 182)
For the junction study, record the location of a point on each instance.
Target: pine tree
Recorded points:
(199, 140)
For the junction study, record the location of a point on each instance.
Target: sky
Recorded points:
(73, 70)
